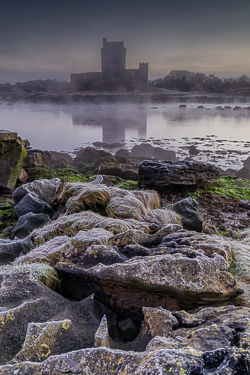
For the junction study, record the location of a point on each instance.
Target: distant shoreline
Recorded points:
(138, 97)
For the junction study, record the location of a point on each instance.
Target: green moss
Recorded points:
(69, 174)
(16, 171)
(234, 187)
(8, 217)
(128, 185)
(234, 269)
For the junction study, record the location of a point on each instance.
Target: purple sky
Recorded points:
(50, 38)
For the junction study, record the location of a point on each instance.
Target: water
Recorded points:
(222, 136)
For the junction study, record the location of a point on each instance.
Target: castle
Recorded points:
(113, 63)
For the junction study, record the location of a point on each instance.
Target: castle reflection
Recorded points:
(117, 124)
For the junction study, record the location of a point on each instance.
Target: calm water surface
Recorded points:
(223, 136)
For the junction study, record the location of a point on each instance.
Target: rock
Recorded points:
(123, 152)
(106, 255)
(161, 154)
(143, 150)
(160, 175)
(159, 322)
(175, 281)
(31, 203)
(243, 173)
(104, 361)
(182, 106)
(45, 190)
(246, 162)
(210, 244)
(60, 157)
(9, 250)
(193, 150)
(188, 210)
(12, 155)
(102, 335)
(89, 155)
(65, 249)
(52, 325)
(37, 159)
(27, 223)
(45, 339)
(23, 176)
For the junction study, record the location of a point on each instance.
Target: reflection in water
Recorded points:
(114, 122)
(66, 127)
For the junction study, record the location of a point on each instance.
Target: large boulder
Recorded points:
(10, 250)
(12, 155)
(37, 322)
(89, 155)
(144, 150)
(37, 159)
(188, 210)
(45, 190)
(30, 203)
(160, 175)
(162, 154)
(27, 223)
(175, 276)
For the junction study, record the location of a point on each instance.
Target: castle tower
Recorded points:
(113, 57)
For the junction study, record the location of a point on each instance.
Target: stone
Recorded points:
(37, 159)
(188, 209)
(89, 155)
(102, 335)
(45, 190)
(46, 339)
(243, 173)
(175, 281)
(65, 249)
(23, 176)
(60, 157)
(143, 150)
(37, 322)
(246, 162)
(161, 154)
(11, 249)
(27, 223)
(104, 361)
(12, 156)
(31, 203)
(123, 152)
(193, 150)
(160, 175)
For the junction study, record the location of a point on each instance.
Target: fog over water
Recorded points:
(221, 135)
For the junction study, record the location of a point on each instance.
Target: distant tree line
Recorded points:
(36, 86)
(181, 80)
(184, 80)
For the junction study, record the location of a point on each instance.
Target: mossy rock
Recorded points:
(12, 155)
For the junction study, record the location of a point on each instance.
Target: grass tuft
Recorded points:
(43, 271)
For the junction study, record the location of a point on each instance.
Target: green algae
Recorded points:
(234, 187)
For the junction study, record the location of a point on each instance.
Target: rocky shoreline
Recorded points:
(98, 278)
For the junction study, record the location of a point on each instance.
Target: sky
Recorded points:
(42, 39)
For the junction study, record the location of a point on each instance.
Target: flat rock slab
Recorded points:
(104, 361)
(172, 281)
(163, 174)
